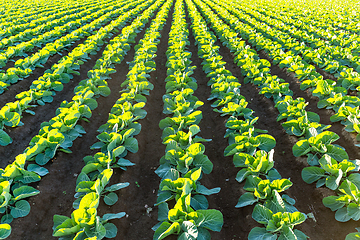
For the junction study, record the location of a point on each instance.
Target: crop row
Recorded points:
(310, 53)
(45, 87)
(252, 149)
(317, 17)
(9, 28)
(63, 129)
(26, 40)
(336, 95)
(184, 162)
(24, 67)
(329, 162)
(116, 140)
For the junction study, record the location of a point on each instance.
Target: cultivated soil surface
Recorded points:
(58, 187)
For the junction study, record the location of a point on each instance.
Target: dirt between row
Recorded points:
(58, 187)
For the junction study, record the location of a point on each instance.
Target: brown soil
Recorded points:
(58, 187)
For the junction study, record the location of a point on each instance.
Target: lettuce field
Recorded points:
(179, 119)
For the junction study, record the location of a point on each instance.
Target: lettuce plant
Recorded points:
(259, 164)
(267, 193)
(318, 145)
(279, 225)
(248, 143)
(182, 220)
(173, 189)
(331, 172)
(346, 204)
